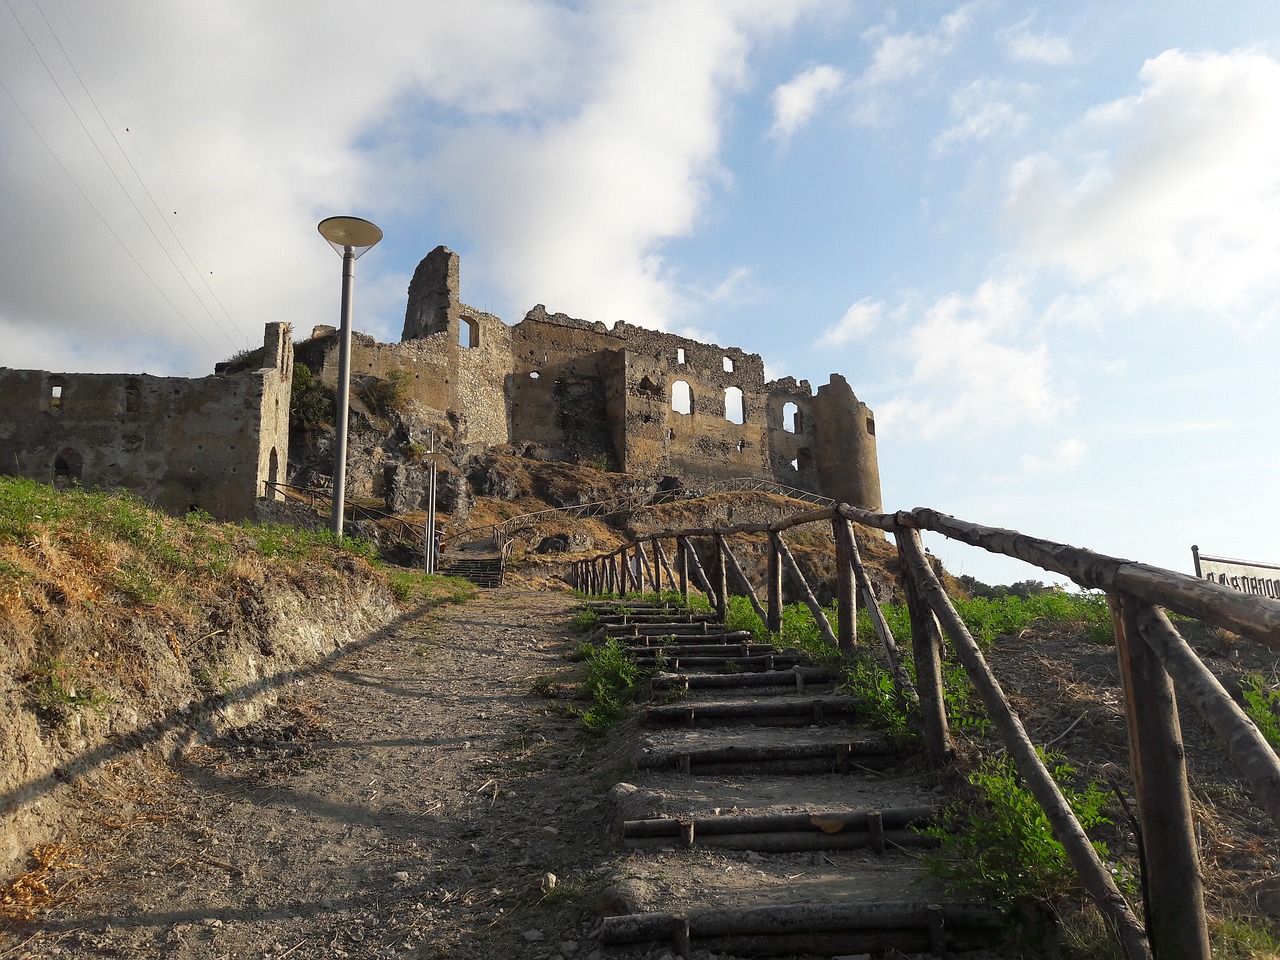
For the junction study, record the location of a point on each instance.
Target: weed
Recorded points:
(610, 682)
(544, 686)
(1000, 845)
(56, 690)
(878, 696)
(1262, 704)
(1237, 939)
(428, 589)
(585, 620)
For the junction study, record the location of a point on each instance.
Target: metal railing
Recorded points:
(1156, 665)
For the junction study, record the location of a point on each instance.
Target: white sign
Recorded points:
(1259, 579)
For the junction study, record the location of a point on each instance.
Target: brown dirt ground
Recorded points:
(411, 799)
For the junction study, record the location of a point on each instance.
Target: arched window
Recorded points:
(681, 397)
(67, 467)
(273, 475)
(790, 417)
(733, 410)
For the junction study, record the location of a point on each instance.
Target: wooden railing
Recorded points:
(503, 530)
(1156, 664)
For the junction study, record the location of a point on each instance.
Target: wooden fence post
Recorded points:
(662, 558)
(722, 581)
(682, 567)
(926, 649)
(644, 569)
(1066, 828)
(773, 590)
(1175, 915)
(846, 589)
(695, 565)
(742, 577)
(819, 615)
(657, 570)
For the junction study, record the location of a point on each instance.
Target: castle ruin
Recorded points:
(627, 398)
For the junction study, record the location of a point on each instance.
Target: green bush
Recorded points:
(1262, 704)
(1000, 845)
(610, 683)
(312, 403)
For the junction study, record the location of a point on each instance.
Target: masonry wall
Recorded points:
(209, 443)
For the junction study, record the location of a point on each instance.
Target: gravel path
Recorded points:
(410, 800)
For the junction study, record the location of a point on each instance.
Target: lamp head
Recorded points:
(343, 232)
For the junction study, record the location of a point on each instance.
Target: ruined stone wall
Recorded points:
(845, 455)
(181, 443)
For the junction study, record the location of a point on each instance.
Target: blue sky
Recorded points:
(1041, 242)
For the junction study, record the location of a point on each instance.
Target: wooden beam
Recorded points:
(773, 590)
(722, 581)
(1174, 890)
(819, 615)
(1093, 873)
(742, 578)
(846, 588)
(926, 650)
(1245, 743)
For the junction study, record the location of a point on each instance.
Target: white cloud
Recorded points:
(796, 101)
(569, 141)
(734, 287)
(1169, 197)
(1026, 47)
(1062, 458)
(982, 109)
(859, 320)
(970, 369)
(899, 57)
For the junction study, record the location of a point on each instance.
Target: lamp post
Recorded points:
(352, 238)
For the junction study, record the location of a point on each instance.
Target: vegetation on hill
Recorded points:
(119, 624)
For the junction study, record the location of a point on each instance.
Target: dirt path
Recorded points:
(411, 800)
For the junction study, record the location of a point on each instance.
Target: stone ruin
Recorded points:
(623, 398)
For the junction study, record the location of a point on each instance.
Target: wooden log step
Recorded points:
(804, 919)
(777, 713)
(839, 821)
(798, 677)
(673, 630)
(731, 649)
(795, 841)
(657, 616)
(731, 664)
(856, 750)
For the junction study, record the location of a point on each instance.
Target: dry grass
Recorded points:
(42, 886)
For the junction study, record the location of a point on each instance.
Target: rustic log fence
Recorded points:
(1155, 663)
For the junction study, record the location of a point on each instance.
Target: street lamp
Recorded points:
(351, 237)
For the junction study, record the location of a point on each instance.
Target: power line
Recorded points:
(141, 182)
(83, 126)
(110, 229)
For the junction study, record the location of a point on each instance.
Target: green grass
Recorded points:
(428, 589)
(999, 845)
(1262, 704)
(610, 682)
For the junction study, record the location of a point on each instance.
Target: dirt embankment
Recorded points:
(124, 632)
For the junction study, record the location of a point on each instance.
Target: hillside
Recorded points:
(121, 627)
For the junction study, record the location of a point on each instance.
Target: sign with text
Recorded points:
(1259, 579)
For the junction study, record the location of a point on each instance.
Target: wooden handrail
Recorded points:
(1160, 662)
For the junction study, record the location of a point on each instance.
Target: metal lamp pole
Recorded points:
(351, 237)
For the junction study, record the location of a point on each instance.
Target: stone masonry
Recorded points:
(624, 398)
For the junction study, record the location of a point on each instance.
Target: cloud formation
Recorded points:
(1169, 197)
(796, 101)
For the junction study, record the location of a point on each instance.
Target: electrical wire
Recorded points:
(164, 249)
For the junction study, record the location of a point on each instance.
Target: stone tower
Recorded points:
(433, 295)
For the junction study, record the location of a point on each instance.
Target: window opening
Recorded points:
(67, 467)
(468, 333)
(681, 397)
(55, 394)
(728, 365)
(742, 445)
(733, 411)
(680, 355)
(871, 426)
(790, 417)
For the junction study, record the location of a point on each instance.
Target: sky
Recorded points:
(1042, 243)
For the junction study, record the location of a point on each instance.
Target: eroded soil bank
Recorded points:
(409, 798)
